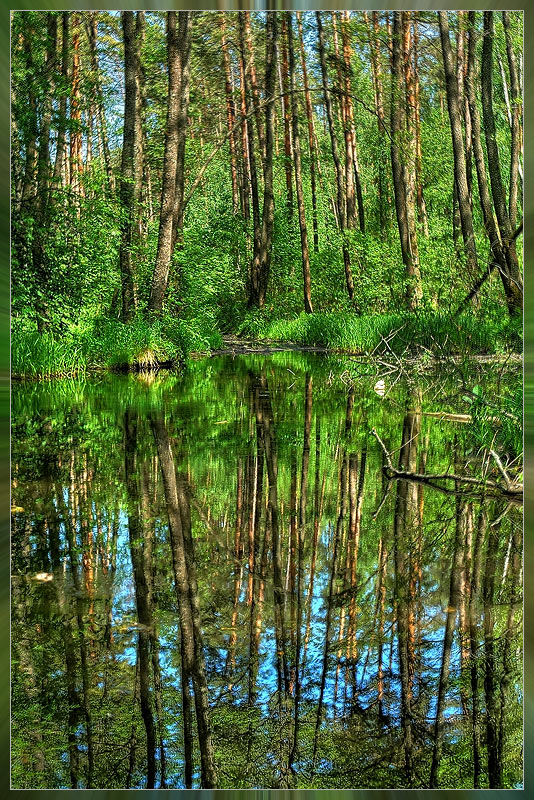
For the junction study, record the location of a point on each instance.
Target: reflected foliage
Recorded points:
(216, 584)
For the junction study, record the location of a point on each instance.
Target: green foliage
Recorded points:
(401, 333)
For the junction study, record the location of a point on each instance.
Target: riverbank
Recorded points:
(138, 345)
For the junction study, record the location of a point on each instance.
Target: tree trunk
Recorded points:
(353, 166)
(341, 198)
(298, 174)
(262, 257)
(178, 509)
(230, 113)
(184, 48)
(514, 282)
(460, 171)
(421, 205)
(311, 135)
(128, 172)
(286, 106)
(168, 186)
(452, 610)
(75, 110)
(398, 121)
(516, 111)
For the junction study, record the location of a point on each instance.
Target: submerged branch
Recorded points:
(512, 490)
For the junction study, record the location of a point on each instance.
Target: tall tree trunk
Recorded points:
(516, 111)
(460, 171)
(298, 174)
(230, 113)
(286, 106)
(311, 135)
(144, 613)
(421, 205)
(398, 157)
(184, 47)
(246, 68)
(376, 68)
(341, 198)
(91, 30)
(75, 110)
(514, 282)
(62, 122)
(128, 172)
(168, 186)
(349, 121)
(261, 264)
(253, 80)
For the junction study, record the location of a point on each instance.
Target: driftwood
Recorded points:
(512, 490)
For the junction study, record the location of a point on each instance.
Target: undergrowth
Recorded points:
(400, 333)
(109, 344)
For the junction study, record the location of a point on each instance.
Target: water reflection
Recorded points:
(216, 583)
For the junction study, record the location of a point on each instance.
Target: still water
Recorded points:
(215, 583)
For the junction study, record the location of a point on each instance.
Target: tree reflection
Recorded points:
(249, 599)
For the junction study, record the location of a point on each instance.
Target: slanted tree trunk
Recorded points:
(516, 111)
(513, 280)
(460, 171)
(298, 174)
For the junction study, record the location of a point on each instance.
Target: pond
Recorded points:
(217, 583)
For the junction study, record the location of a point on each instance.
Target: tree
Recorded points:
(403, 201)
(298, 172)
(460, 170)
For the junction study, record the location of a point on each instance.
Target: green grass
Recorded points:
(110, 344)
(400, 333)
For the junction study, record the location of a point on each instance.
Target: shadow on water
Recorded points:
(218, 583)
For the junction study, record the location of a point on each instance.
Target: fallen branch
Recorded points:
(511, 489)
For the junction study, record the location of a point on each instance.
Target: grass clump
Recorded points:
(108, 343)
(45, 355)
(402, 333)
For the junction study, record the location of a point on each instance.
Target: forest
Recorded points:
(267, 400)
(329, 179)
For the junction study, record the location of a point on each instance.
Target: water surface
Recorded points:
(215, 583)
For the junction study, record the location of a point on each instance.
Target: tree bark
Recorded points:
(168, 187)
(408, 241)
(128, 189)
(341, 198)
(261, 264)
(298, 174)
(460, 171)
(312, 144)
(514, 282)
